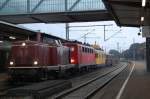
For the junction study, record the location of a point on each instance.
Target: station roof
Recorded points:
(129, 12)
(8, 30)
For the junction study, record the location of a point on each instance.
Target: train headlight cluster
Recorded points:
(35, 62)
(11, 63)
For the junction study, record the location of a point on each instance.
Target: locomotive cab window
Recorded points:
(87, 50)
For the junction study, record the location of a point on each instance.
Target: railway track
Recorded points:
(89, 88)
(69, 94)
(4, 89)
(84, 78)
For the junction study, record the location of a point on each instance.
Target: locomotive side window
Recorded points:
(86, 50)
(96, 55)
(82, 49)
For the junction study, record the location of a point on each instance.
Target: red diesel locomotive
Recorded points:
(33, 59)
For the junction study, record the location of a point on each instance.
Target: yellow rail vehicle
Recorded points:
(100, 57)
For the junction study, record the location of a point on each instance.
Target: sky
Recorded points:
(116, 36)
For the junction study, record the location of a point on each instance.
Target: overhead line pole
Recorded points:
(67, 31)
(104, 32)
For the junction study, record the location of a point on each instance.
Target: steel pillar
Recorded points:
(148, 53)
(67, 31)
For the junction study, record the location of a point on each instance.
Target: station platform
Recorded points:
(135, 86)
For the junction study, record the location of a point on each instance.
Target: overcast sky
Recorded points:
(124, 35)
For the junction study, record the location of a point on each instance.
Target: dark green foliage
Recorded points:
(114, 52)
(139, 49)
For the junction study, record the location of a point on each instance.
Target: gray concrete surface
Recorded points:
(138, 86)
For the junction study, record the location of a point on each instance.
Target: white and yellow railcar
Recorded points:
(100, 57)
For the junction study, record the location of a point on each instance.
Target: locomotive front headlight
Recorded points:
(72, 49)
(11, 63)
(35, 62)
(23, 44)
(72, 60)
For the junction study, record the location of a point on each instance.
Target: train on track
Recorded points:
(40, 60)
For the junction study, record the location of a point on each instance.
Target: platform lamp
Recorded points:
(142, 20)
(143, 3)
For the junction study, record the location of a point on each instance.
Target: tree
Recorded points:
(114, 52)
(139, 49)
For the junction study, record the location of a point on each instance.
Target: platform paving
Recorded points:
(137, 87)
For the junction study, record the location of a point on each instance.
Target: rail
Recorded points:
(104, 79)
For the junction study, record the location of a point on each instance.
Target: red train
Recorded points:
(81, 55)
(31, 59)
(111, 60)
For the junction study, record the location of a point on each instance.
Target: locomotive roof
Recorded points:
(99, 51)
(29, 42)
(79, 44)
